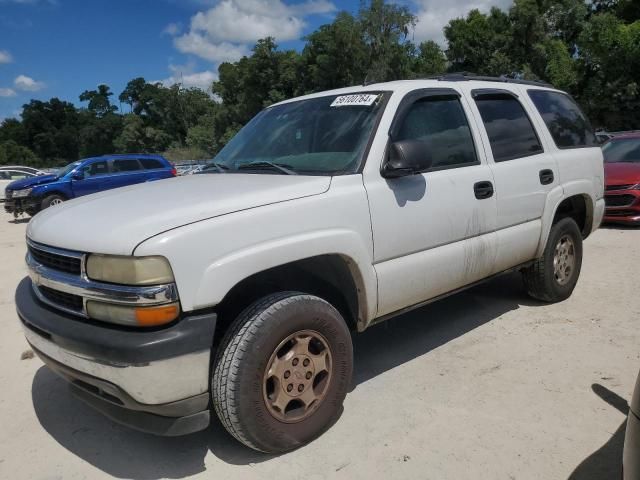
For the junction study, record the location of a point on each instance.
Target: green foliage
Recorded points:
(590, 48)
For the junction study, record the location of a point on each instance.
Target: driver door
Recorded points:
(94, 178)
(433, 232)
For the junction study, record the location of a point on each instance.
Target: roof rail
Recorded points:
(466, 76)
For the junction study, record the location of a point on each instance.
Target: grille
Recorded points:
(55, 261)
(618, 200)
(67, 300)
(618, 187)
(621, 213)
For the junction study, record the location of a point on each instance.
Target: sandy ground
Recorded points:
(486, 384)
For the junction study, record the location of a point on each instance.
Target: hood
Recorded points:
(622, 173)
(31, 182)
(116, 221)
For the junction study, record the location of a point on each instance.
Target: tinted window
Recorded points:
(150, 163)
(567, 124)
(510, 132)
(442, 125)
(96, 168)
(625, 150)
(125, 165)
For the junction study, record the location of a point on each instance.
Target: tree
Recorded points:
(99, 103)
(13, 154)
(385, 27)
(335, 55)
(430, 60)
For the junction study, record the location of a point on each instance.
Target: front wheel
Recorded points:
(282, 372)
(553, 276)
(51, 200)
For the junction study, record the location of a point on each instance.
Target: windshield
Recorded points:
(64, 170)
(324, 136)
(626, 150)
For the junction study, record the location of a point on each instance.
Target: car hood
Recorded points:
(622, 173)
(31, 182)
(116, 221)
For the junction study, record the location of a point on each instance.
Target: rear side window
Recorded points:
(151, 163)
(125, 165)
(564, 119)
(510, 131)
(440, 123)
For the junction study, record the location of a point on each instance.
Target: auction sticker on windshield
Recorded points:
(361, 99)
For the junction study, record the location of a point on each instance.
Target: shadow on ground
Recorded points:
(125, 453)
(606, 462)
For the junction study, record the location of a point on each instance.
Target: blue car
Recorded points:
(90, 175)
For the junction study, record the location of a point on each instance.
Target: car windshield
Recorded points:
(626, 150)
(65, 170)
(319, 136)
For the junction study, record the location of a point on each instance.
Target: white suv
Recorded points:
(235, 290)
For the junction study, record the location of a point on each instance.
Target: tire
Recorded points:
(241, 394)
(50, 200)
(31, 211)
(541, 279)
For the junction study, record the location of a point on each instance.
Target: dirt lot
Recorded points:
(486, 384)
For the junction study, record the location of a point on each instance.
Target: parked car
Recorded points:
(10, 173)
(83, 177)
(622, 177)
(631, 452)
(237, 288)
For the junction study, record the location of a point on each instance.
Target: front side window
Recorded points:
(510, 131)
(96, 168)
(564, 119)
(440, 123)
(125, 165)
(320, 136)
(622, 150)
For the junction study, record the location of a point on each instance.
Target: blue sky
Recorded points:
(59, 48)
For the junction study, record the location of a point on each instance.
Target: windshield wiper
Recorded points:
(286, 169)
(220, 167)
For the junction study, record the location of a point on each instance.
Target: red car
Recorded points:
(622, 179)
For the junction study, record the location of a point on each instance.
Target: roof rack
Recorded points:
(466, 76)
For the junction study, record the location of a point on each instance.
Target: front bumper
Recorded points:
(21, 205)
(152, 380)
(622, 206)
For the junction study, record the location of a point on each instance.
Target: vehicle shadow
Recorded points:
(19, 220)
(125, 453)
(606, 462)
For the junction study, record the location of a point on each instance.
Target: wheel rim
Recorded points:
(55, 201)
(297, 376)
(564, 260)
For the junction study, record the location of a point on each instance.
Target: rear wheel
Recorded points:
(553, 276)
(282, 372)
(51, 200)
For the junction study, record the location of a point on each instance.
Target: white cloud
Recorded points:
(185, 75)
(433, 15)
(5, 57)
(28, 84)
(7, 92)
(172, 29)
(226, 31)
(200, 45)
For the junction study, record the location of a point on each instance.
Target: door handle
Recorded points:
(546, 177)
(483, 190)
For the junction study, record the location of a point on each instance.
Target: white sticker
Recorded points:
(360, 99)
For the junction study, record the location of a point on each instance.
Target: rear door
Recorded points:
(523, 170)
(127, 171)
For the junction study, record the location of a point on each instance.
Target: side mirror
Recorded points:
(77, 176)
(407, 157)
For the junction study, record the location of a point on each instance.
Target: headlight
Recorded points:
(133, 316)
(129, 270)
(22, 193)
